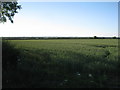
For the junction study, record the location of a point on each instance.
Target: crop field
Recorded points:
(67, 63)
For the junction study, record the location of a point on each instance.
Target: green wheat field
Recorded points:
(67, 63)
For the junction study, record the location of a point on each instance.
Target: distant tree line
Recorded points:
(37, 38)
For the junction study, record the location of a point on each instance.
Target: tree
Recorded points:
(95, 37)
(8, 10)
(114, 37)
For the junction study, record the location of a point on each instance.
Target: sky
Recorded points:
(63, 19)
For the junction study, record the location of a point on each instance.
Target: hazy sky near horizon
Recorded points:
(82, 19)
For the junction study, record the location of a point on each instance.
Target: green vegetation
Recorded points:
(8, 10)
(9, 62)
(66, 63)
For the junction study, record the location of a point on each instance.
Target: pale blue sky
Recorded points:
(82, 19)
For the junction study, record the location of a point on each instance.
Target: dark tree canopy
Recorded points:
(95, 37)
(8, 10)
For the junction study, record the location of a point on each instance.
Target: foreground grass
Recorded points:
(79, 63)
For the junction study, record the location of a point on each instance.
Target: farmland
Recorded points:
(67, 63)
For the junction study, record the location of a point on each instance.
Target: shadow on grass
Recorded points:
(46, 69)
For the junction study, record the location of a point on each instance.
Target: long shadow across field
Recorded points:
(47, 69)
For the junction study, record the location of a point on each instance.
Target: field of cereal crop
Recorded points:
(78, 63)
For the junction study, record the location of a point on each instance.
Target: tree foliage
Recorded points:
(8, 10)
(95, 37)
